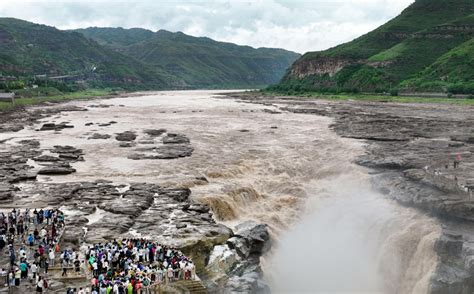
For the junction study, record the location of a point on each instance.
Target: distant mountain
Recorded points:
(197, 62)
(117, 37)
(135, 58)
(428, 47)
(28, 49)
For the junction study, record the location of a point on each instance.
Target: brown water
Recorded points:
(287, 170)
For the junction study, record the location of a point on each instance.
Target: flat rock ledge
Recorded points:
(126, 136)
(55, 127)
(172, 146)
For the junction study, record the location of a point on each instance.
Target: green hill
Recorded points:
(397, 55)
(116, 37)
(197, 62)
(130, 59)
(28, 49)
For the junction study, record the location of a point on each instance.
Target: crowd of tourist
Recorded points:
(134, 266)
(32, 241)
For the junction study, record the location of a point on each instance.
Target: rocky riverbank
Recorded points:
(105, 210)
(411, 149)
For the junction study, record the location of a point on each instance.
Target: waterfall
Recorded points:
(354, 240)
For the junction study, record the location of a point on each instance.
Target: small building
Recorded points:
(7, 97)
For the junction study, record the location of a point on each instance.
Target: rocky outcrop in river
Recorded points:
(104, 210)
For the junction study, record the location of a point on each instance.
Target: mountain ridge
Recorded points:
(381, 60)
(28, 50)
(187, 57)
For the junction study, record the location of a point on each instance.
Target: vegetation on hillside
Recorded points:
(453, 71)
(197, 62)
(131, 59)
(116, 37)
(428, 47)
(28, 50)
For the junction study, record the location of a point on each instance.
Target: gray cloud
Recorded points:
(297, 25)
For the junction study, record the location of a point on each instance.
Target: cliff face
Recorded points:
(389, 55)
(320, 66)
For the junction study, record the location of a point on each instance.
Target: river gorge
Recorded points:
(333, 226)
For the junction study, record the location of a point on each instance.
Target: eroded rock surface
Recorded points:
(55, 127)
(16, 120)
(97, 136)
(172, 146)
(155, 132)
(171, 138)
(235, 266)
(163, 152)
(102, 210)
(14, 165)
(126, 136)
(62, 169)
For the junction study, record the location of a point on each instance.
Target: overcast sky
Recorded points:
(296, 25)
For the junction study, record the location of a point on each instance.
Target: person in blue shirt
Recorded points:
(30, 240)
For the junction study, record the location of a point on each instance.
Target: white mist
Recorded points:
(354, 240)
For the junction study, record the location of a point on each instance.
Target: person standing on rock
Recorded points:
(20, 228)
(159, 275)
(11, 278)
(53, 231)
(39, 285)
(457, 160)
(17, 277)
(129, 288)
(46, 266)
(40, 216)
(193, 270)
(77, 266)
(11, 252)
(102, 289)
(47, 216)
(13, 216)
(51, 257)
(30, 240)
(64, 266)
(27, 215)
(33, 270)
(4, 276)
(43, 233)
(35, 217)
(24, 269)
(36, 235)
(11, 230)
(182, 269)
(170, 274)
(2, 242)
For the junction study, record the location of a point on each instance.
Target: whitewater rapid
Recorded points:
(332, 232)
